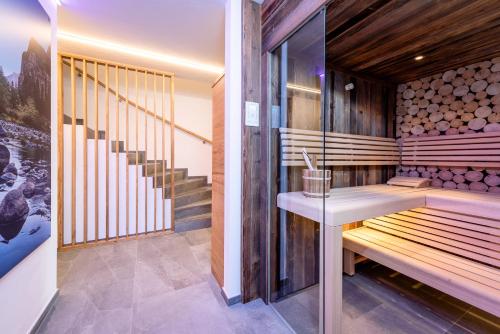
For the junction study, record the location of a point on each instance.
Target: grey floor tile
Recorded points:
(160, 284)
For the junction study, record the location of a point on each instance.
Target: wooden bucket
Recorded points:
(315, 181)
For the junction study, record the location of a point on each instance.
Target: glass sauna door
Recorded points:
(297, 124)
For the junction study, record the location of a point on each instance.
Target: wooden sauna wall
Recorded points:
(302, 234)
(217, 249)
(460, 100)
(368, 109)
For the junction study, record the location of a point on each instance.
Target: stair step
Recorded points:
(179, 174)
(186, 185)
(121, 146)
(193, 209)
(132, 159)
(79, 121)
(159, 168)
(195, 195)
(193, 222)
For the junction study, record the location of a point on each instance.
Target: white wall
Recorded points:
(193, 111)
(232, 151)
(28, 288)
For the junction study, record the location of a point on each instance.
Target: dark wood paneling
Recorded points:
(383, 37)
(366, 110)
(283, 17)
(253, 245)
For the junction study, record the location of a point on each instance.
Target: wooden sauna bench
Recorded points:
(451, 244)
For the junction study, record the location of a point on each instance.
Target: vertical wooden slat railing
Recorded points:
(106, 138)
(85, 70)
(146, 152)
(73, 152)
(172, 154)
(137, 155)
(117, 156)
(127, 138)
(96, 153)
(85, 162)
(163, 165)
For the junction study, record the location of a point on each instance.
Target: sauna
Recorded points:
(398, 102)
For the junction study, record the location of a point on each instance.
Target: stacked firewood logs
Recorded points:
(465, 100)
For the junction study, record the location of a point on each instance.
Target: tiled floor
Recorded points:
(163, 284)
(379, 300)
(153, 285)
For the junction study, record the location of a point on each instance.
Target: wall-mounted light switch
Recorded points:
(251, 113)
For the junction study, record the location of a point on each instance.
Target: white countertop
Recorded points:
(347, 205)
(351, 204)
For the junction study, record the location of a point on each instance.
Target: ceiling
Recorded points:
(381, 38)
(188, 29)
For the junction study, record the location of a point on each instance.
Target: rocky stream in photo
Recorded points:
(24, 192)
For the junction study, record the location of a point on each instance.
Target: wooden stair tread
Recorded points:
(192, 218)
(197, 190)
(195, 204)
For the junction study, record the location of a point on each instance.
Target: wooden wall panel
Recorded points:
(366, 110)
(282, 17)
(218, 112)
(253, 246)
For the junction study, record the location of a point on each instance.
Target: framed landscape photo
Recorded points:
(25, 108)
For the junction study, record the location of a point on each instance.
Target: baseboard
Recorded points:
(46, 311)
(232, 300)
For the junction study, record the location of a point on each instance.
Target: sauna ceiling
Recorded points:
(382, 38)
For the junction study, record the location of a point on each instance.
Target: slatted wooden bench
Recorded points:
(340, 149)
(457, 253)
(465, 150)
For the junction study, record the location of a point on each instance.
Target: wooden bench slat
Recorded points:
(459, 136)
(338, 140)
(448, 163)
(489, 146)
(450, 223)
(410, 250)
(436, 242)
(298, 149)
(493, 224)
(333, 134)
(475, 153)
(445, 140)
(464, 263)
(295, 156)
(474, 158)
(292, 163)
(317, 144)
(474, 293)
(452, 226)
(435, 229)
(383, 221)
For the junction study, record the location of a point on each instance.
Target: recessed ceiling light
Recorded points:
(133, 51)
(417, 58)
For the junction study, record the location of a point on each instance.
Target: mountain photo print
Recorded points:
(24, 130)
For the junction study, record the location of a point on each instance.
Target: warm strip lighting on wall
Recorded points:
(303, 88)
(112, 46)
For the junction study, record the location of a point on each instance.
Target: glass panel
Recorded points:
(297, 83)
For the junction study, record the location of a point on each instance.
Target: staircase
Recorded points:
(193, 194)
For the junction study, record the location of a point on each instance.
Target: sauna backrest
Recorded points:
(340, 149)
(465, 150)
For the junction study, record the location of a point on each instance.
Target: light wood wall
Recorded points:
(217, 255)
